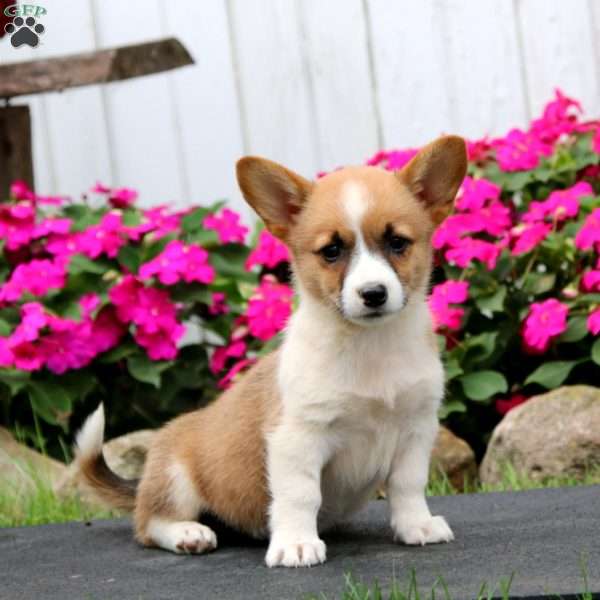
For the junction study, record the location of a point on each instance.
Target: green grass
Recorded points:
(35, 503)
(512, 481)
(354, 590)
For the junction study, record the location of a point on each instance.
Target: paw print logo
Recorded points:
(24, 31)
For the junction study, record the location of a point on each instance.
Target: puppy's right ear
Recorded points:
(274, 192)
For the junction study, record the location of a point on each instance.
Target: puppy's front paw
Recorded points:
(432, 530)
(296, 552)
(192, 538)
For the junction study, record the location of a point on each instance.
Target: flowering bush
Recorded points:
(154, 311)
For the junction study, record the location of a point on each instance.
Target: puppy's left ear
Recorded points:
(435, 174)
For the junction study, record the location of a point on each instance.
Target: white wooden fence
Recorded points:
(310, 83)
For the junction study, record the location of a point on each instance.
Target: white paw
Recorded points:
(433, 530)
(183, 537)
(296, 552)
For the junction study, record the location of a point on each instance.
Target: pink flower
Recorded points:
(6, 355)
(596, 141)
(157, 220)
(63, 245)
(442, 296)
(122, 197)
(269, 308)
(528, 236)
(153, 313)
(593, 322)
(219, 304)
(235, 349)
(469, 249)
(559, 118)
(589, 234)
(124, 295)
(227, 225)
(19, 190)
(107, 330)
(269, 252)
(478, 150)
(392, 160)
(17, 224)
(160, 345)
(105, 238)
(27, 357)
(560, 204)
(179, 262)
(545, 321)
(590, 282)
(33, 319)
(520, 151)
(475, 193)
(154, 310)
(506, 404)
(68, 347)
(233, 372)
(36, 277)
(89, 303)
(100, 188)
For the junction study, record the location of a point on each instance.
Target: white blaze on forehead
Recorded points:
(355, 198)
(366, 267)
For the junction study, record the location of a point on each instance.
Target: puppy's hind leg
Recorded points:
(168, 506)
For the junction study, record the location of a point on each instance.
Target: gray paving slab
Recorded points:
(540, 536)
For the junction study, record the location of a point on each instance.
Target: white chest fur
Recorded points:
(363, 392)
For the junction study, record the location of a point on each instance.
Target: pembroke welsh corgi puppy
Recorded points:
(350, 400)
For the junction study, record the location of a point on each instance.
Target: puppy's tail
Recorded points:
(91, 466)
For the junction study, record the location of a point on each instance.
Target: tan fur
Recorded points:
(222, 447)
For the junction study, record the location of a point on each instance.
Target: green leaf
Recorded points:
(145, 370)
(539, 283)
(15, 380)
(552, 374)
(451, 406)
(482, 385)
(494, 302)
(192, 293)
(131, 217)
(480, 347)
(5, 328)
(193, 221)
(129, 257)
(119, 353)
(452, 369)
(79, 384)
(576, 330)
(207, 238)
(596, 351)
(50, 401)
(79, 263)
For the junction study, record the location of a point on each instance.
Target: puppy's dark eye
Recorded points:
(331, 252)
(398, 244)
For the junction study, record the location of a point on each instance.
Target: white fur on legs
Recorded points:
(411, 520)
(292, 551)
(296, 492)
(182, 537)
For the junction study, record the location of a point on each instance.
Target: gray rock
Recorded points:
(453, 457)
(553, 434)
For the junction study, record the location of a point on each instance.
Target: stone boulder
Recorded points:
(453, 457)
(22, 468)
(557, 433)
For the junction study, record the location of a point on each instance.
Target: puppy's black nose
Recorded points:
(373, 296)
